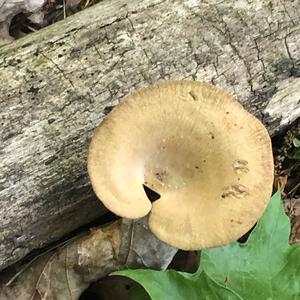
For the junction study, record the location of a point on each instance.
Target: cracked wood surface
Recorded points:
(59, 83)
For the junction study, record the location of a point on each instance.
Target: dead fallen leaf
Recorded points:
(280, 182)
(66, 272)
(292, 207)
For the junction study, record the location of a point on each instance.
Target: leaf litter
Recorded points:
(22, 17)
(66, 272)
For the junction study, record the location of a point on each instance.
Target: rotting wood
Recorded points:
(58, 84)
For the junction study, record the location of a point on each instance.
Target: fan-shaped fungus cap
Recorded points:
(193, 144)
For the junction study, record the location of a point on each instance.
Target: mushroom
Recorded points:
(194, 147)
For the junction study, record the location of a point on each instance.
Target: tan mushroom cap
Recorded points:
(198, 148)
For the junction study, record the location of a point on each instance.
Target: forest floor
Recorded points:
(286, 147)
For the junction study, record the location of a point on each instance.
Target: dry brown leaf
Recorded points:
(292, 207)
(280, 182)
(66, 272)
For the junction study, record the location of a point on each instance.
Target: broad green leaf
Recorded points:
(266, 267)
(255, 269)
(170, 285)
(137, 292)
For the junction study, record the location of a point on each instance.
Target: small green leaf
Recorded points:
(265, 267)
(296, 143)
(295, 154)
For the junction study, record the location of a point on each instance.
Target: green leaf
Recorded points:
(266, 267)
(170, 285)
(137, 292)
(251, 269)
(296, 143)
(295, 154)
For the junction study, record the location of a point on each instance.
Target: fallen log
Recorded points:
(57, 85)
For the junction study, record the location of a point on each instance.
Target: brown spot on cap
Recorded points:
(235, 191)
(240, 166)
(193, 95)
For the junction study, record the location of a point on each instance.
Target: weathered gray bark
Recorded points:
(56, 86)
